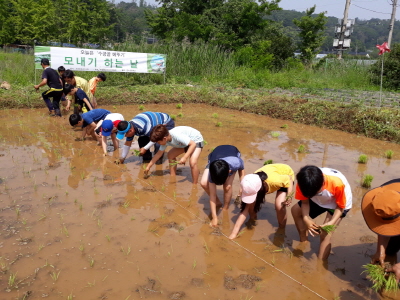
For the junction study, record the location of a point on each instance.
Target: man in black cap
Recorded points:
(55, 91)
(381, 211)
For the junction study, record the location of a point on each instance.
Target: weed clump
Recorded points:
(219, 124)
(268, 162)
(215, 115)
(367, 180)
(284, 126)
(179, 105)
(362, 159)
(389, 154)
(141, 107)
(180, 115)
(173, 117)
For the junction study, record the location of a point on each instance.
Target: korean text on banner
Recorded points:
(101, 60)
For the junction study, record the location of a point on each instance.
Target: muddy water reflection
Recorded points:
(74, 223)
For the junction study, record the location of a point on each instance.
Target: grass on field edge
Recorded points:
(356, 118)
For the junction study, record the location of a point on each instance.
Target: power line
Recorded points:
(371, 10)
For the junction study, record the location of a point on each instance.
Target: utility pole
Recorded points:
(394, 4)
(343, 30)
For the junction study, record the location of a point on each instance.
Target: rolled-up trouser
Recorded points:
(56, 94)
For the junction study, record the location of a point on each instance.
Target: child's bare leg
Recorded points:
(298, 220)
(206, 185)
(213, 207)
(193, 165)
(281, 208)
(228, 190)
(325, 245)
(172, 155)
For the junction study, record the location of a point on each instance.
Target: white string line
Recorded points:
(235, 242)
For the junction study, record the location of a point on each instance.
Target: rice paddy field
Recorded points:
(75, 225)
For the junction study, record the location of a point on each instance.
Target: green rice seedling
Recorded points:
(268, 162)
(11, 280)
(66, 193)
(81, 247)
(82, 175)
(328, 228)
(70, 296)
(218, 124)
(133, 219)
(215, 115)
(43, 216)
(126, 204)
(275, 134)
(367, 180)
(241, 232)
(23, 221)
(105, 278)
(114, 107)
(391, 283)
(389, 154)
(80, 206)
(109, 197)
(179, 105)
(194, 264)
(301, 149)
(206, 248)
(91, 261)
(99, 224)
(91, 284)
(173, 117)
(65, 231)
(141, 107)
(376, 274)
(154, 231)
(17, 211)
(108, 238)
(55, 275)
(76, 201)
(230, 268)
(180, 115)
(174, 163)
(128, 250)
(96, 191)
(284, 126)
(136, 152)
(362, 159)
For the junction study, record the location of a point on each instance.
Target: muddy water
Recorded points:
(75, 224)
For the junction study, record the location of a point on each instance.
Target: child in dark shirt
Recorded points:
(81, 99)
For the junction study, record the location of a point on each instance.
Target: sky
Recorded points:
(362, 9)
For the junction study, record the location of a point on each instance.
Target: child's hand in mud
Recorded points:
(379, 258)
(214, 223)
(119, 161)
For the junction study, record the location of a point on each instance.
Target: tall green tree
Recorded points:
(311, 34)
(231, 23)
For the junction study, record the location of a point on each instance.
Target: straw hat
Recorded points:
(381, 209)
